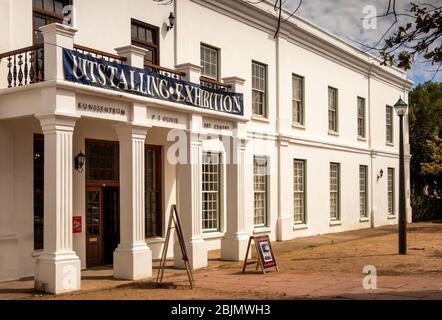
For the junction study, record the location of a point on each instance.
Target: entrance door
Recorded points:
(102, 224)
(94, 226)
(111, 222)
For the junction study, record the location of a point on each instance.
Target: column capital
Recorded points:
(58, 29)
(51, 123)
(133, 131)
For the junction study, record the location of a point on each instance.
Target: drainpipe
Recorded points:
(370, 148)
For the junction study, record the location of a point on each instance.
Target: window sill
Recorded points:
(298, 126)
(213, 235)
(36, 254)
(259, 230)
(300, 226)
(335, 223)
(333, 133)
(260, 119)
(364, 219)
(391, 217)
(362, 139)
(389, 144)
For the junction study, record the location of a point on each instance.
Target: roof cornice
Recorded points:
(318, 42)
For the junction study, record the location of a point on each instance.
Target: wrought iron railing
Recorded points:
(164, 71)
(213, 84)
(24, 66)
(99, 54)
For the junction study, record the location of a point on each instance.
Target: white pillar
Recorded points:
(189, 204)
(234, 243)
(134, 55)
(132, 258)
(192, 71)
(56, 37)
(58, 268)
(285, 179)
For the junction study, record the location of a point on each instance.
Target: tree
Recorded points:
(425, 123)
(433, 168)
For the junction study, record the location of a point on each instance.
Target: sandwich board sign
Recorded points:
(266, 257)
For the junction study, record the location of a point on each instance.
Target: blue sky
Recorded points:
(344, 18)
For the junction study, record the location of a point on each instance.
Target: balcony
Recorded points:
(60, 60)
(26, 66)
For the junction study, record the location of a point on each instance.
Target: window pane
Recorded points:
(361, 117)
(363, 191)
(211, 175)
(37, 4)
(299, 191)
(259, 83)
(209, 62)
(49, 5)
(297, 100)
(334, 191)
(391, 191)
(58, 7)
(332, 109)
(260, 167)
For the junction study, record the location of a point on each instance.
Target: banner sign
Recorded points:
(87, 70)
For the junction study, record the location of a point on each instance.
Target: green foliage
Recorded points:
(421, 37)
(425, 122)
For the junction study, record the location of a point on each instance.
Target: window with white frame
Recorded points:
(389, 124)
(260, 185)
(259, 88)
(211, 180)
(390, 182)
(332, 109)
(299, 191)
(209, 62)
(298, 100)
(361, 117)
(334, 191)
(363, 200)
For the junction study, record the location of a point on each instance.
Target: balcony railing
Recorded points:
(24, 66)
(213, 84)
(99, 54)
(164, 71)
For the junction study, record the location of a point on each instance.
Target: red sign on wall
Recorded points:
(76, 224)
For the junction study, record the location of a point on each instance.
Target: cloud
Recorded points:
(346, 19)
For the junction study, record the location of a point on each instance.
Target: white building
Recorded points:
(306, 118)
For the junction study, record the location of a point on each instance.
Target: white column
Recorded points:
(132, 258)
(56, 37)
(234, 243)
(285, 180)
(58, 267)
(189, 204)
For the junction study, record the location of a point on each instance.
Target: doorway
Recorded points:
(102, 224)
(102, 202)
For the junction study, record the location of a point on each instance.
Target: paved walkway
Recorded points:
(225, 276)
(317, 285)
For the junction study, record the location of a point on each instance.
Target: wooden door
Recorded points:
(94, 226)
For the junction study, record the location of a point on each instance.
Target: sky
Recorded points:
(345, 18)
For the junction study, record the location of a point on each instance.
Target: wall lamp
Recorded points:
(380, 174)
(171, 21)
(80, 159)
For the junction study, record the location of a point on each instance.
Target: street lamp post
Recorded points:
(401, 110)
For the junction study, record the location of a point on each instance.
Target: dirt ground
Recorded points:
(309, 262)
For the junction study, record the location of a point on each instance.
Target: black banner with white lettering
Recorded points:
(87, 70)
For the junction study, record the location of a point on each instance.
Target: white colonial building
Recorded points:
(194, 103)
